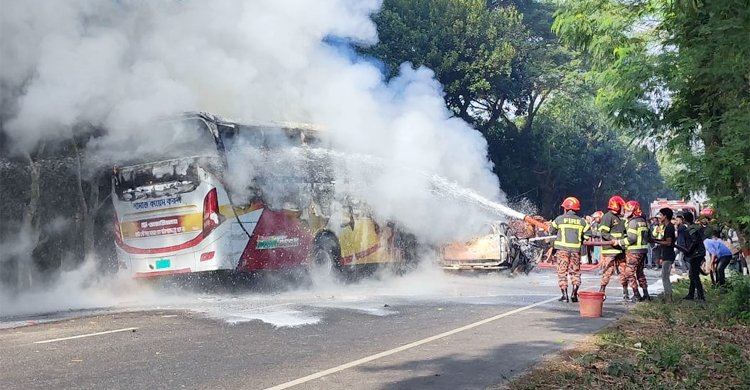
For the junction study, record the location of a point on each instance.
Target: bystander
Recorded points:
(720, 257)
(665, 253)
(695, 253)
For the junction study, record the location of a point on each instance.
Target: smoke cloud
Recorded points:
(121, 65)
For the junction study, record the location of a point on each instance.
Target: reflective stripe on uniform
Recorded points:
(640, 233)
(658, 232)
(612, 251)
(569, 228)
(563, 237)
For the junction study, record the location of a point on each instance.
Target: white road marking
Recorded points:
(84, 335)
(402, 348)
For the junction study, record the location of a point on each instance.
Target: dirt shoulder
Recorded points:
(680, 345)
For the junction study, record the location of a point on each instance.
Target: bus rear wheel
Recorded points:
(326, 257)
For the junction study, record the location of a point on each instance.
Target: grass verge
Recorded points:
(680, 345)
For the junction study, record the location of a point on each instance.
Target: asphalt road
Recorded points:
(429, 331)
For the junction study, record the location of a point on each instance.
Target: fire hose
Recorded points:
(533, 222)
(599, 243)
(543, 238)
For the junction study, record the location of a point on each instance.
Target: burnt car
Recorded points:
(514, 247)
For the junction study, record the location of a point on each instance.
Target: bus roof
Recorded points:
(284, 125)
(300, 130)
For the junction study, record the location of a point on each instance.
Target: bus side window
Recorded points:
(252, 135)
(227, 133)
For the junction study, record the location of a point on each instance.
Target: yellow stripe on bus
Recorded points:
(188, 222)
(177, 208)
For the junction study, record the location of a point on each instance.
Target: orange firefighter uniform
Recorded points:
(635, 243)
(569, 229)
(612, 228)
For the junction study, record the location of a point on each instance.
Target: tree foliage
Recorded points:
(495, 66)
(573, 150)
(677, 71)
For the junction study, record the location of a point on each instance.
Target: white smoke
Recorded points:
(122, 64)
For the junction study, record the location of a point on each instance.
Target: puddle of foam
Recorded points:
(279, 319)
(373, 309)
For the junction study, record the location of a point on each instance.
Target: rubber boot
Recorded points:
(636, 296)
(574, 295)
(625, 295)
(564, 297)
(603, 290)
(645, 297)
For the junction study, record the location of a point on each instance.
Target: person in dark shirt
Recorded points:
(695, 253)
(666, 243)
(680, 231)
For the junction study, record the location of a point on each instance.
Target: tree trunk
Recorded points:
(87, 208)
(89, 219)
(31, 223)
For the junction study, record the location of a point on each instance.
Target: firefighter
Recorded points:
(612, 228)
(570, 229)
(635, 243)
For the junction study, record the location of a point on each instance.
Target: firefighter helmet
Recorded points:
(598, 214)
(616, 203)
(634, 207)
(707, 212)
(571, 203)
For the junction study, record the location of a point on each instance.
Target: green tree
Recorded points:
(677, 71)
(495, 65)
(574, 150)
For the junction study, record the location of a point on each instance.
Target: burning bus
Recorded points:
(193, 212)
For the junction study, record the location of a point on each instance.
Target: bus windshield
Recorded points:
(173, 173)
(164, 178)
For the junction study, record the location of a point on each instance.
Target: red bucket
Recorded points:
(590, 303)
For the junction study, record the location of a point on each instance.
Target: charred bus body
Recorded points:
(244, 198)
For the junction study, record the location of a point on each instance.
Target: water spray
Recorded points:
(438, 182)
(485, 203)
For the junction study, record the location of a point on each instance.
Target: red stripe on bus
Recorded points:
(150, 251)
(144, 275)
(364, 253)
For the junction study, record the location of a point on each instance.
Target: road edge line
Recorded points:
(84, 335)
(405, 347)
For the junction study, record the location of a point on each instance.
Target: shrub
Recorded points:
(736, 302)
